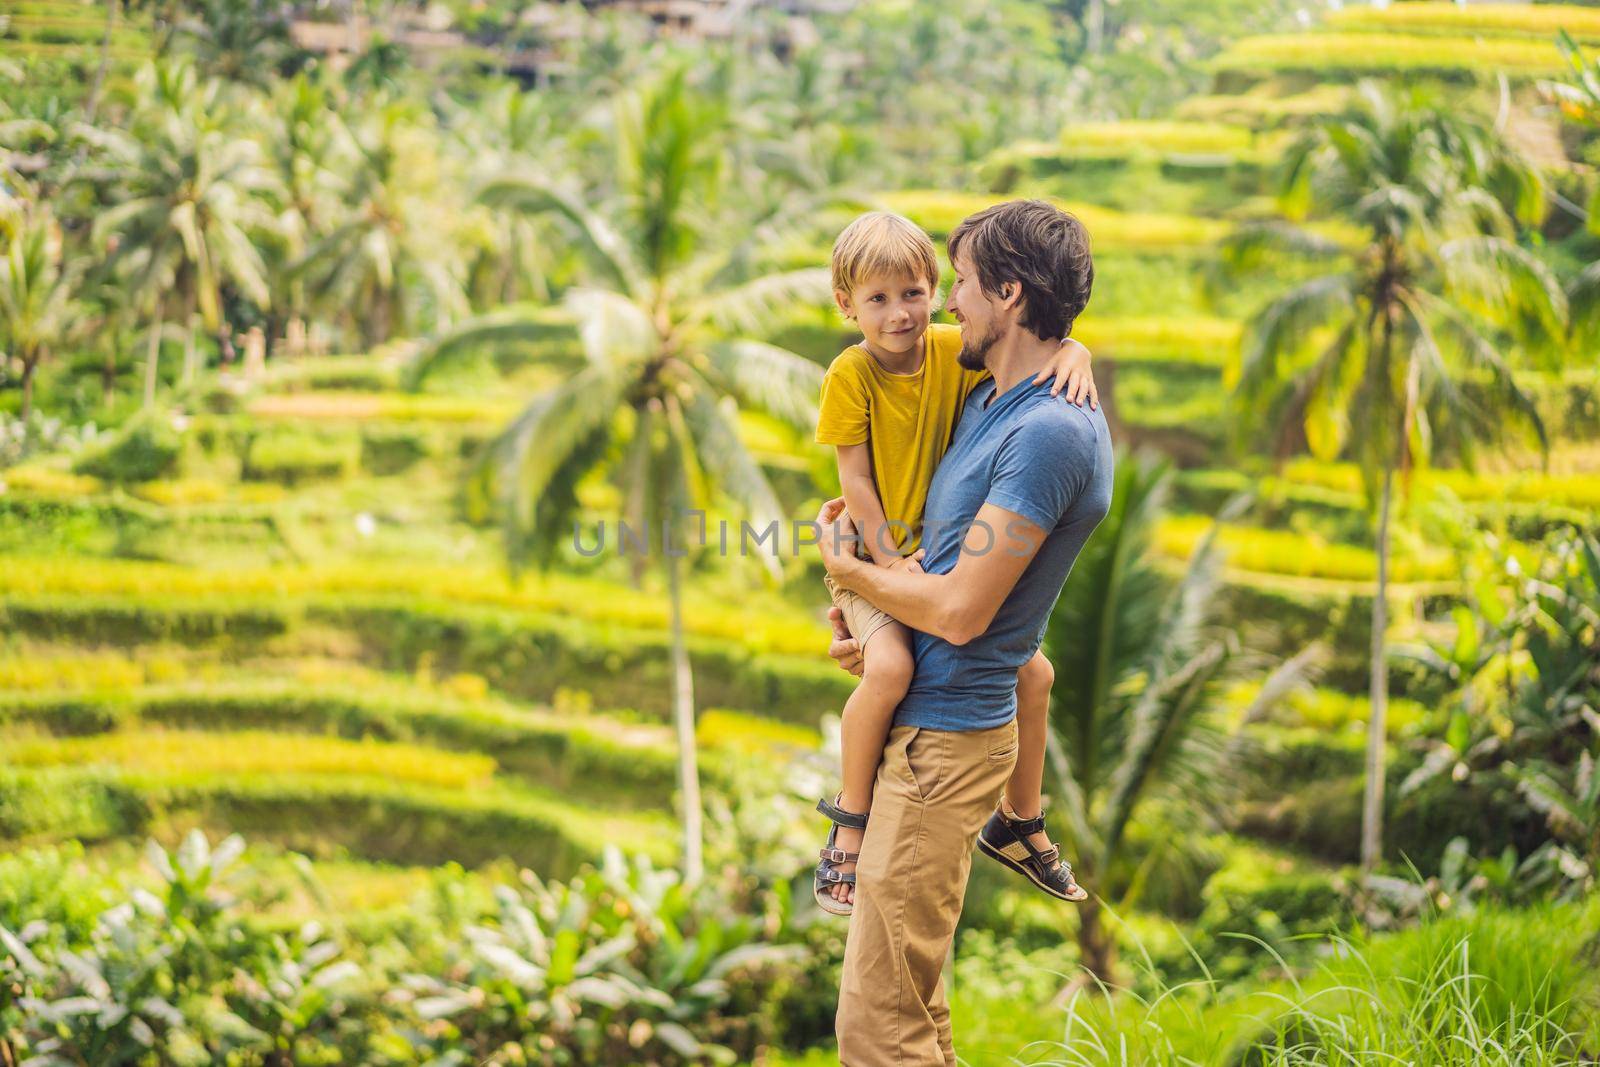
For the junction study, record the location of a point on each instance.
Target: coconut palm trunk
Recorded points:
(1372, 803)
(29, 365)
(151, 358)
(92, 105)
(1097, 948)
(190, 342)
(683, 721)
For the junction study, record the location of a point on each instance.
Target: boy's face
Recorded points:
(893, 312)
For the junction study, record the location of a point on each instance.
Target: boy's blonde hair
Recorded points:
(881, 242)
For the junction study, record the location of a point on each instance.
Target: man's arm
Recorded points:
(957, 606)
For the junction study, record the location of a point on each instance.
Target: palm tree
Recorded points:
(1400, 340)
(37, 308)
(511, 131)
(1579, 101)
(307, 139)
(656, 357)
(191, 195)
(395, 252)
(1140, 671)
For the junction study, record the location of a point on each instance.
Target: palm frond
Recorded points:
(1261, 245)
(770, 378)
(1165, 713)
(606, 247)
(1583, 303)
(723, 455)
(612, 328)
(535, 450)
(1284, 327)
(1304, 666)
(1510, 283)
(1103, 623)
(1187, 606)
(1477, 352)
(514, 326)
(754, 306)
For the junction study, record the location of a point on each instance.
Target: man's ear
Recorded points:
(842, 298)
(1010, 294)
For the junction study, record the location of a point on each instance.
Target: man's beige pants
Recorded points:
(935, 790)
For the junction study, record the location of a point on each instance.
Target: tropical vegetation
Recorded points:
(351, 354)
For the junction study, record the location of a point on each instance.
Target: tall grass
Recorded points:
(1490, 989)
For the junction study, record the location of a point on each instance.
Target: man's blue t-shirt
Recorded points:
(1045, 459)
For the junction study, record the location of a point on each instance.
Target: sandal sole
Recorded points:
(833, 907)
(995, 854)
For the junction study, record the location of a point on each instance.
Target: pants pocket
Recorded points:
(926, 754)
(1003, 743)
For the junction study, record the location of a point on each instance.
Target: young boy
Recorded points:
(889, 406)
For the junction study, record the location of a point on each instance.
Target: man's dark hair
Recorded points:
(1041, 247)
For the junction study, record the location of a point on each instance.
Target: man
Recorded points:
(1026, 479)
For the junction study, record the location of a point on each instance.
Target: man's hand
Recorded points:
(836, 536)
(845, 650)
(911, 563)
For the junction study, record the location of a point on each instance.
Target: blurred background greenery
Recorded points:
(321, 324)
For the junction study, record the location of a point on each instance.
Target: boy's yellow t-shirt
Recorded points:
(907, 418)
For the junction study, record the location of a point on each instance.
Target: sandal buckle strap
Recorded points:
(1024, 827)
(839, 855)
(851, 819)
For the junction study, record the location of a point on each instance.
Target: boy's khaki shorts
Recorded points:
(860, 615)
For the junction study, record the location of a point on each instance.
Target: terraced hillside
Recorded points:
(274, 602)
(291, 632)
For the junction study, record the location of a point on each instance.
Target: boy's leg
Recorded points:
(886, 675)
(1022, 802)
(1024, 790)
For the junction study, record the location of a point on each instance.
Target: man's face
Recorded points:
(892, 311)
(977, 312)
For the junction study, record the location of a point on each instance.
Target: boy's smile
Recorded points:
(893, 313)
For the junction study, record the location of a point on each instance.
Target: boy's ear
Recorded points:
(842, 298)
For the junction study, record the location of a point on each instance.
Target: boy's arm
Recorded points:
(1070, 368)
(861, 497)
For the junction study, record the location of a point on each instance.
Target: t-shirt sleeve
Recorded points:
(842, 411)
(1043, 466)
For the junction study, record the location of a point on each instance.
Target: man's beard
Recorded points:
(973, 353)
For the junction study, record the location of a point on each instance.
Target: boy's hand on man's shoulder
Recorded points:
(1073, 378)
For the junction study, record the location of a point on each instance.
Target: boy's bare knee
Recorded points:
(1036, 677)
(890, 664)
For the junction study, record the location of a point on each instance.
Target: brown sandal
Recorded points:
(828, 875)
(1006, 839)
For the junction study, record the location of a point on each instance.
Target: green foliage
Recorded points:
(1524, 667)
(392, 451)
(146, 449)
(292, 457)
(622, 961)
(168, 978)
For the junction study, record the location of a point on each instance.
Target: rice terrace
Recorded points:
(420, 430)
